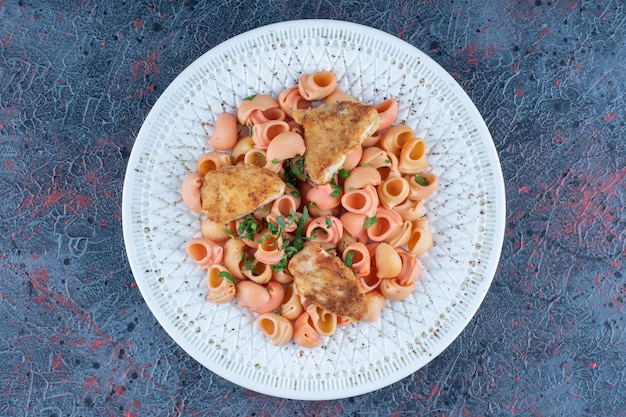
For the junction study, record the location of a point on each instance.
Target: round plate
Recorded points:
(466, 214)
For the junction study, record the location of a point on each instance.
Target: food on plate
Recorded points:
(325, 281)
(313, 209)
(232, 192)
(331, 133)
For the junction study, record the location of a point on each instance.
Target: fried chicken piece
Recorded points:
(331, 133)
(324, 280)
(232, 192)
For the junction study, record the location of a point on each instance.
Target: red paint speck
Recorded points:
(609, 117)
(544, 31)
(557, 83)
(104, 43)
(138, 23)
(9, 164)
(96, 344)
(593, 365)
(519, 92)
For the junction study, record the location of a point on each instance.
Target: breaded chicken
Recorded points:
(324, 280)
(234, 191)
(331, 133)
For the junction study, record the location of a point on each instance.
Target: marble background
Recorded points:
(77, 79)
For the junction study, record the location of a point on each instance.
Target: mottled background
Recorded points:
(77, 79)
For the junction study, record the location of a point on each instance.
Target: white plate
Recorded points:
(466, 214)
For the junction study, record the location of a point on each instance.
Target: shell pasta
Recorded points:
(370, 215)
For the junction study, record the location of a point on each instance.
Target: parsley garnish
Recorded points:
(248, 261)
(421, 180)
(250, 97)
(247, 228)
(336, 189)
(329, 223)
(227, 276)
(369, 222)
(229, 233)
(344, 173)
(366, 165)
(349, 258)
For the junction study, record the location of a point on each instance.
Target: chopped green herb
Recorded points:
(387, 161)
(247, 228)
(272, 228)
(274, 161)
(297, 240)
(250, 129)
(421, 180)
(344, 173)
(248, 261)
(329, 223)
(349, 258)
(229, 233)
(369, 222)
(277, 311)
(227, 276)
(298, 168)
(250, 97)
(336, 189)
(281, 264)
(295, 194)
(366, 165)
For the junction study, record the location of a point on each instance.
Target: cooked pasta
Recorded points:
(412, 158)
(212, 161)
(317, 85)
(225, 132)
(190, 192)
(370, 214)
(278, 329)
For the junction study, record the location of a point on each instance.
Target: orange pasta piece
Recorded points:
(212, 161)
(258, 116)
(205, 252)
(304, 334)
(264, 133)
(324, 322)
(277, 328)
(360, 259)
(318, 85)
(427, 185)
(393, 191)
(412, 158)
(354, 224)
(386, 222)
(190, 192)
(395, 137)
(225, 132)
(392, 290)
(327, 229)
(361, 201)
(388, 112)
(221, 290)
(360, 177)
(388, 261)
(285, 145)
(421, 237)
(259, 101)
(290, 99)
(324, 196)
(375, 303)
(291, 307)
(410, 268)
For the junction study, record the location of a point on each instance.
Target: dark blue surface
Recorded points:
(76, 82)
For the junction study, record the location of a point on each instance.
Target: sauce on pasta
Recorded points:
(369, 214)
